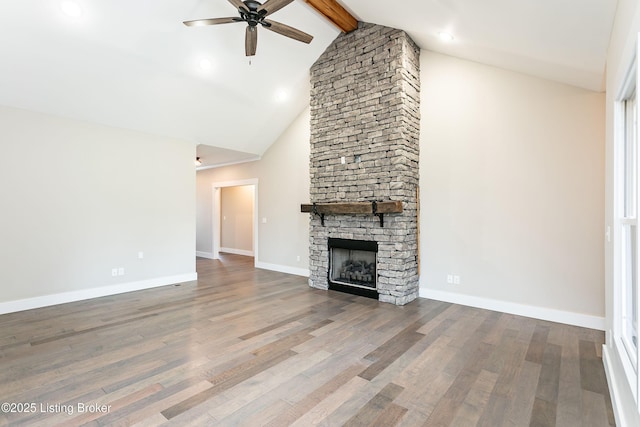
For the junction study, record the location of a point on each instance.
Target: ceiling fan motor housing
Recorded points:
(251, 14)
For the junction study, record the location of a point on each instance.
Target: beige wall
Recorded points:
(80, 199)
(512, 175)
(236, 225)
(283, 184)
(621, 52)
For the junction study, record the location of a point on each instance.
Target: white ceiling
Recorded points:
(561, 40)
(132, 64)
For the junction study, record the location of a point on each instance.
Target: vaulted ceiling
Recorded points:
(133, 64)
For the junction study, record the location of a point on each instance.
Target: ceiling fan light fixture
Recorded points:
(71, 8)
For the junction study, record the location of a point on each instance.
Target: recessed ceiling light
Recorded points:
(445, 37)
(71, 9)
(281, 95)
(205, 64)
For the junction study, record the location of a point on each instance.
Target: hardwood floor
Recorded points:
(255, 347)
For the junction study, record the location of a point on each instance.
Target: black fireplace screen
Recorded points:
(353, 263)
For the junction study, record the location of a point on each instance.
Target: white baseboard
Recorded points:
(207, 255)
(84, 294)
(236, 251)
(569, 318)
(283, 269)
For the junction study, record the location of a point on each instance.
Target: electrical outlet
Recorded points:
(121, 271)
(298, 258)
(450, 278)
(114, 272)
(456, 280)
(140, 255)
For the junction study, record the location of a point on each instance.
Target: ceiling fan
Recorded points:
(254, 13)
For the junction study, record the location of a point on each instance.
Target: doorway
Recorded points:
(230, 222)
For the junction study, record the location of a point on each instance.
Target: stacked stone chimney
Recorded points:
(365, 119)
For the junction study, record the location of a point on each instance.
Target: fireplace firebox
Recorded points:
(353, 266)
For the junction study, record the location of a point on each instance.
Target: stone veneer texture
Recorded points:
(365, 101)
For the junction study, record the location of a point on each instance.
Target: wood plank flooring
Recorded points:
(253, 347)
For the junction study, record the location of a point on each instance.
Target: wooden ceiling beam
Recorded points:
(334, 12)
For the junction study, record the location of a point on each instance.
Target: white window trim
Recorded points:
(631, 367)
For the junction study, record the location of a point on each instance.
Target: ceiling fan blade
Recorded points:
(238, 4)
(251, 40)
(212, 21)
(288, 31)
(273, 6)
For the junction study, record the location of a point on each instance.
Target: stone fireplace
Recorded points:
(365, 118)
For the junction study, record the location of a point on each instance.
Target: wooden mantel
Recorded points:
(367, 208)
(352, 208)
(334, 12)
